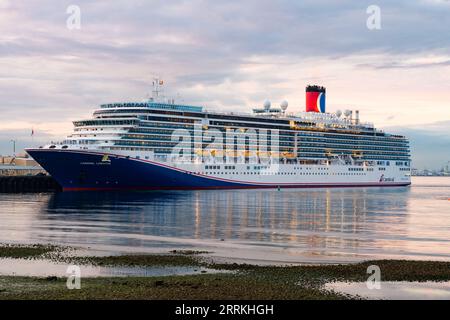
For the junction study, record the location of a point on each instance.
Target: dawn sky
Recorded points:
(228, 55)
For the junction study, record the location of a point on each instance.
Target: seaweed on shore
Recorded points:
(203, 286)
(146, 260)
(247, 281)
(18, 251)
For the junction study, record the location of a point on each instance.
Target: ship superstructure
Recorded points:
(160, 144)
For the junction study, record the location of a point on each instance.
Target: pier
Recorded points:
(19, 184)
(23, 174)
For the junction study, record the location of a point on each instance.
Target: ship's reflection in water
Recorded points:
(326, 225)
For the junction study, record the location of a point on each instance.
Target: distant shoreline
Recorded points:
(432, 176)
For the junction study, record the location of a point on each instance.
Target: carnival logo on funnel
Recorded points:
(321, 102)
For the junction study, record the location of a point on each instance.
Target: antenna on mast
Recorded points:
(157, 92)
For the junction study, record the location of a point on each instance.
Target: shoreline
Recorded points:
(209, 280)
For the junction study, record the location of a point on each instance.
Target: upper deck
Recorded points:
(152, 105)
(270, 119)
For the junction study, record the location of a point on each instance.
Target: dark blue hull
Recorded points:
(81, 170)
(77, 170)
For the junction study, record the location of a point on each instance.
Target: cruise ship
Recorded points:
(160, 144)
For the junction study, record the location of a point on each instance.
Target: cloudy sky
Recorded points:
(227, 55)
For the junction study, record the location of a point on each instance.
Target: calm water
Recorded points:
(397, 290)
(317, 225)
(44, 268)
